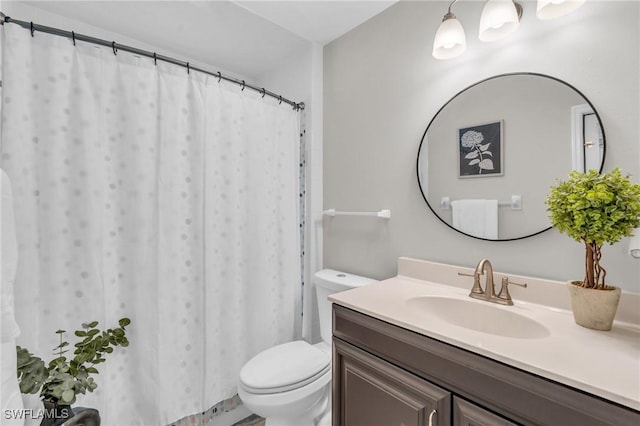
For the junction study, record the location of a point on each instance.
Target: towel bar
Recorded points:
(515, 203)
(384, 214)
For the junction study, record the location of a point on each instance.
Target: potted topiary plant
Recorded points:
(594, 209)
(62, 379)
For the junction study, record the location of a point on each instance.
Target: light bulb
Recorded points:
(499, 19)
(551, 9)
(450, 40)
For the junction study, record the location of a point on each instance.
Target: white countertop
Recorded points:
(603, 363)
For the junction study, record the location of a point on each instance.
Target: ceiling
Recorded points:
(242, 37)
(317, 21)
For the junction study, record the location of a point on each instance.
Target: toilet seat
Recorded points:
(284, 367)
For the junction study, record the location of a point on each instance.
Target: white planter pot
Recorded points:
(593, 308)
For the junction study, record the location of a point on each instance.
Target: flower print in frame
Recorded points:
(480, 150)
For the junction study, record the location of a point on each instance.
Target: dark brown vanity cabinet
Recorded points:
(468, 414)
(384, 375)
(374, 392)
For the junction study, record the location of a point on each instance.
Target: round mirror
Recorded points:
(488, 158)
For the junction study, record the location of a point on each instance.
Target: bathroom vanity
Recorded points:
(398, 360)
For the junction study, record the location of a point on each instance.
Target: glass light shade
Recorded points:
(450, 40)
(499, 19)
(551, 9)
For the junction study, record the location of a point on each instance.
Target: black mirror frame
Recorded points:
(422, 191)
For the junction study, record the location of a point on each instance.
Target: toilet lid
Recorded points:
(284, 367)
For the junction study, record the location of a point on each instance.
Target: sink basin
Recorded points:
(479, 316)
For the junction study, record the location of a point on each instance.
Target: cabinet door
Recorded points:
(368, 391)
(468, 414)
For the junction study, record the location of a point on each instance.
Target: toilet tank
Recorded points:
(329, 281)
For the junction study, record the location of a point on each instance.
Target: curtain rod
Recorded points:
(117, 46)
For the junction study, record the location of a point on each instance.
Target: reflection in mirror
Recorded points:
(587, 138)
(488, 157)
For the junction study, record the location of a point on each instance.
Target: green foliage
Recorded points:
(595, 209)
(62, 379)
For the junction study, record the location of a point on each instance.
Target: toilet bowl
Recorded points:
(289, 384)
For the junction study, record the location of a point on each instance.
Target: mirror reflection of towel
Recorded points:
(476, 217)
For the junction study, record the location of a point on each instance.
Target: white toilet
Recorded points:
(289, 384)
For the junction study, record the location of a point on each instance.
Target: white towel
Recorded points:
(476, 217)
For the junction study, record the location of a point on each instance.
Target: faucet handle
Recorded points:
(476, 289)
(504, 290)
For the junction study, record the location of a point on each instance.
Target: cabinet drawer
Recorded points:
(368, 391)
(468, 414)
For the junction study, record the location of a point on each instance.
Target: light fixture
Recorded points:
(450, 40)
(499, 18)
(551, 9)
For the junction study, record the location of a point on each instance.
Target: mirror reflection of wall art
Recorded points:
(480, 150)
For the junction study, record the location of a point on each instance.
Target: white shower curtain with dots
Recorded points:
(145, 191)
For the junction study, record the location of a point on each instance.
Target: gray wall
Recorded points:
(381, 89)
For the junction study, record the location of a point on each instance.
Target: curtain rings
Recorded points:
(188, 69)
(243, 85)
(33, 30)
(73, 37)
(113, 46)
(155, 58)
(219, 76)
(263, 92)
(279, 100)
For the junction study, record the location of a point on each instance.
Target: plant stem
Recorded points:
(600, 271)
(595, 274)
(481, 158)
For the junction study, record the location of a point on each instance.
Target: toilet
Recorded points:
(290, 384)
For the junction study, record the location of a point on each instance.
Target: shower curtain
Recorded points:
(146, 191)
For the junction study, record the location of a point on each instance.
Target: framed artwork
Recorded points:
(480, 150)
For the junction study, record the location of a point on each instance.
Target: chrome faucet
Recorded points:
(489, 293)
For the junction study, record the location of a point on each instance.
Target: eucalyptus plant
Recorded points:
(62, 379)
(595, 208)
